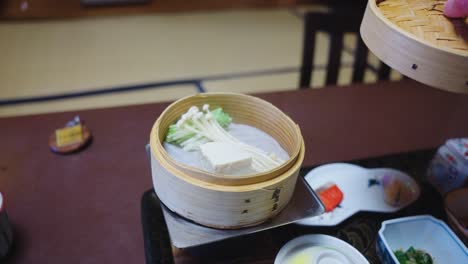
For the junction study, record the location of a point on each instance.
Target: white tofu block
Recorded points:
(226, 158)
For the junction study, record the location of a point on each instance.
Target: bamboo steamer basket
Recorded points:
(416, 39)
(222, 201)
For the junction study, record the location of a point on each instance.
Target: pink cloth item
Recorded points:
(456, 8)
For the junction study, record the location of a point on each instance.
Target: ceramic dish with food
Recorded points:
(315, 249)
(424, 234)
(372, 190)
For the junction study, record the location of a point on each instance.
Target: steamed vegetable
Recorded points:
(413, 256)
(196, 127)
(185, 133)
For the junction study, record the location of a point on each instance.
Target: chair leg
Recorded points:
(305, 77)
(384, 72)
(360, 60)
(334, 58)
(308, 49)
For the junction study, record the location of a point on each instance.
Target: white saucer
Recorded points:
(361, 191)
(319, 249)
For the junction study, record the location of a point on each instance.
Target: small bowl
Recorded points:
(317, 249)
(457, 212)
(421, 232)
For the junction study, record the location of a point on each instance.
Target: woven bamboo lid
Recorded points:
(425, 20)
(415, 38)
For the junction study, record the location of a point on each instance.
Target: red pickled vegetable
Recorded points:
(331, 197)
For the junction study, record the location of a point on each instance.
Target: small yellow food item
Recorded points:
(69, 135)
(316, 254)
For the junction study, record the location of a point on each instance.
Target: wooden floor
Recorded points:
(241, 51)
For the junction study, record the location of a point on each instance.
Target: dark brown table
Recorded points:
(85, 207)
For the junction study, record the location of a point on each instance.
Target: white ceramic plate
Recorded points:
(362, 191)
(316, 249)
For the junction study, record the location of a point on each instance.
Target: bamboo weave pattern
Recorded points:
(425, 20)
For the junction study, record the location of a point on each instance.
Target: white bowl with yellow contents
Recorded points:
(319, 249)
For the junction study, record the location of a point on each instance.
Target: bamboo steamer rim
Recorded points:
(214, 178)
(429, 63)
(265, 185)
(375, 8)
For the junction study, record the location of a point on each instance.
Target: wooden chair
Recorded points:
(344, 18)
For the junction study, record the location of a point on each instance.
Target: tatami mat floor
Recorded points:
(243, 51)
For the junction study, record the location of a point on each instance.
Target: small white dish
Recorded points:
(422, 232)
(362, 191)
(319, 249)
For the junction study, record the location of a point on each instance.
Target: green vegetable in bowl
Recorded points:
(186, 134)
(413, 256)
